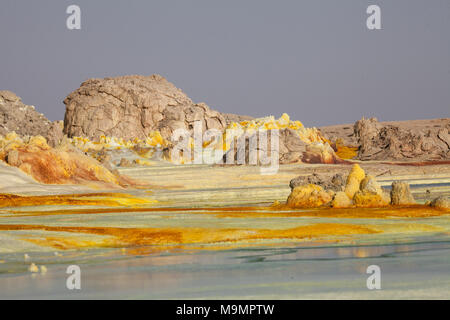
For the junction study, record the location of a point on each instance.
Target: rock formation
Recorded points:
(308, 196)
(441, 202)
(296, 144)
(354, 179)
(230, 117)
(370, 194)
(401, 194)
(24, 120)
(334, 183)
(62, 165)
(341, 200)
(390, 142)
(360, 190)
(131, 107)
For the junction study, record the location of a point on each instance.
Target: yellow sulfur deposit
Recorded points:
(61, 165)
(354, 179)
(369, 199)
(308, 196)
(341, 200)
(90, 199)
(308, 135)
(153, 140)
(345, 152)
(147, 147)
(129, 237)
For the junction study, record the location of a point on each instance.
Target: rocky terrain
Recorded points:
(64, 164)
(131, 107)
(358, 190)
(129, 120)
(25, 120)
(291, 149)
(416, 140)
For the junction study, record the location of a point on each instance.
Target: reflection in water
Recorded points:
(290, 272)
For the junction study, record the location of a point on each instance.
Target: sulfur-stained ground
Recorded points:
(211, 232)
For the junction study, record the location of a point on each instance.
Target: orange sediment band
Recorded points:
(106, 199)
(411, 211)
(126, 237)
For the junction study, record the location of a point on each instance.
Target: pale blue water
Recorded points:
(418, 269)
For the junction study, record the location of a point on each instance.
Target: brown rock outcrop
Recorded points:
(231, 117)
(390, 142)
(291, 149)
(401, 194)
(441, 202)
(131, 107)
(327, 182)
(361, 190)
(24, 120)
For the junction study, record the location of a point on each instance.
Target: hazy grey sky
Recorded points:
(313, 59)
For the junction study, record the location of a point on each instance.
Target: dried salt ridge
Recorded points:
(131, 107)
(24, 120)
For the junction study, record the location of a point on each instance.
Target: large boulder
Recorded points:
(308, 196)
(131, 107)
(24, 120)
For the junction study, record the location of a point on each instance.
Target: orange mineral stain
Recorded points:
(104, 199)
(280, 210)
(129, 237)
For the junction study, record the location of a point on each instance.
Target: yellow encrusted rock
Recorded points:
(369, 199)
(308, 196)
(341, 200)
(354, 179)
(39, 141)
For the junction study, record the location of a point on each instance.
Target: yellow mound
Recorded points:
(48, 165)
(308, 196)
